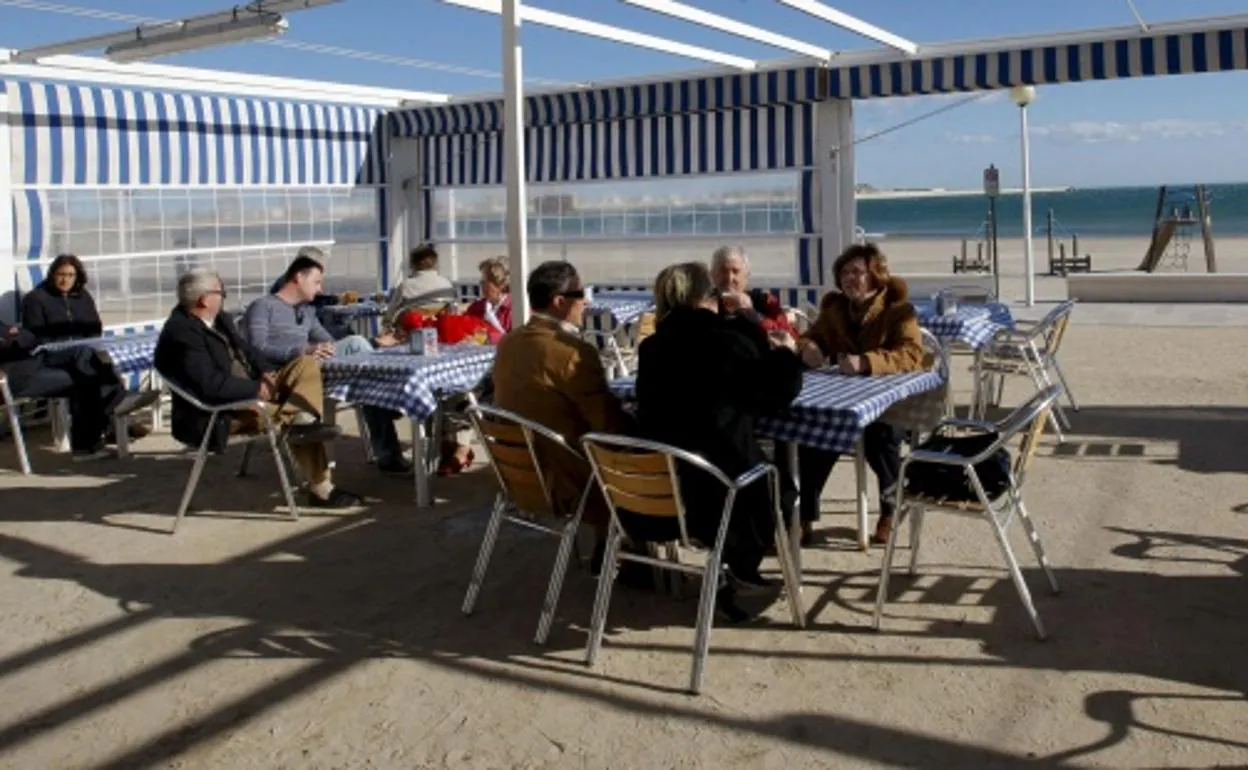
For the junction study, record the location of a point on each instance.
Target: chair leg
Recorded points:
(191, 483)
(886, 568)
(279, 448)
(1039, 382)
(916, 537)
(246, 461)
(672, 554)
(556, 580)
(1016, 574)
(1061, 377)
(15, 427)
(1029, 527)
(606, 580)
(706, 619)
(365, 435)
(483, 556)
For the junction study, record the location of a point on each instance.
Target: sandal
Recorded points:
(453, 465)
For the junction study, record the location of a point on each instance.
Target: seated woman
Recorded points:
(494, 305)
(702, 380)
(61, 308)
(424, 288)
(868, 328)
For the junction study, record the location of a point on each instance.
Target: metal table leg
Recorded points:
(860, 478)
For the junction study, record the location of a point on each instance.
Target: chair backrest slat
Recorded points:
(511, 443)
(640, 482)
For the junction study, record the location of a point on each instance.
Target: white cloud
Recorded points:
(969, 138)
(1099, 132)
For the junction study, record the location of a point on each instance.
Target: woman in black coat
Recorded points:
(702, 381)
(61, 308)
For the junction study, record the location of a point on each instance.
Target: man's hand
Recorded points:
(812, 356)
(851, 364)
(736, 301)
(782, 339)
(268, 388)
(386, 340)
(321, 350)
(12, 331)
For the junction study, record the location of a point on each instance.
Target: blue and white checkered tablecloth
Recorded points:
(621, 308)
(128, 353)
(972, 324)
(833, 410)
(395, 379)
(362, 309)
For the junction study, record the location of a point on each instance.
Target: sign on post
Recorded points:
(992, 182)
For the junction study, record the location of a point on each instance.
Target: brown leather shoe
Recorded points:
(883, 529)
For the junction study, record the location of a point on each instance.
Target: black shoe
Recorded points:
(95, 452)
(751, 583)
(726, 606)
(313, 433)
(134, 430)
(339, 498)
(398, 466)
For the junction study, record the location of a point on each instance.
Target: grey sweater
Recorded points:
(280, 331)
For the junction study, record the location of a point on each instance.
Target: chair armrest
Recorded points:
(938, 458)
(752, 475)
(956, 422)
(236, 406)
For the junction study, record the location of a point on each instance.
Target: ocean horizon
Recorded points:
(953, 214)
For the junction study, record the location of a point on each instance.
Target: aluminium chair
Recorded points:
(640, 477)
(1026, 421)
(510, 443)
(269, 431)
(12, 407)
(1028, 350)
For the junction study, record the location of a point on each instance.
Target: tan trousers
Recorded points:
(299, 390)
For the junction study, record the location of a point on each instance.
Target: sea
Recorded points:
(1085, 212)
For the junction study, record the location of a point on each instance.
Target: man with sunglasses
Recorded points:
(201, 351)
(544, 371)
(283, 326)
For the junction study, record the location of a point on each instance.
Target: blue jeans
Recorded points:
(380, 422)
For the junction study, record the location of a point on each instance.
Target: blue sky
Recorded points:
(1144, 131)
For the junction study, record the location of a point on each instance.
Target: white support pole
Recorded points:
(402, 207)
(513, 157)
(1029, 259)
(451, 233)
(8, 268)
(836, 208)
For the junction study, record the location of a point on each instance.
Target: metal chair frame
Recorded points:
(11, 407)
(1027, 419)
(506, 507)
(276, 443)
(1030, 350)
(712, 568)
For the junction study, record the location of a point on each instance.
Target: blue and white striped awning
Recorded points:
(79, 134)
(676, 97)
(1128, 55)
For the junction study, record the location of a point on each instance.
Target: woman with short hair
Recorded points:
(866, 328)
(702, 382)
(494, 305)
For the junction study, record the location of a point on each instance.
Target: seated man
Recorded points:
(283, 326)
(78, 373)
(201, 351)
(544, 371)
(424, 288)
(730, 269)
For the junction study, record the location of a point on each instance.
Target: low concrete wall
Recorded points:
(1159, 287)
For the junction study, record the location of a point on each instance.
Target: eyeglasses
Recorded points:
(573, 294)
(222, 292)
(69, 274)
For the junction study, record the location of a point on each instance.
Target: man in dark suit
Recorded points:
(201, 351)
(92, 387)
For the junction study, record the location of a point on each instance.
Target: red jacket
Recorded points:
(768, 312)
(502, 313)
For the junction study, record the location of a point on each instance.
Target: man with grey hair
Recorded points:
(730, 270)
(202, 352)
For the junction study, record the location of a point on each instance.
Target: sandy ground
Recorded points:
(337, 641)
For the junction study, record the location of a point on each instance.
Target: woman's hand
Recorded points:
(781, 339)
(812, 356)
(851, 364)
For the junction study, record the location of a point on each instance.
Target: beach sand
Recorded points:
(337, 641)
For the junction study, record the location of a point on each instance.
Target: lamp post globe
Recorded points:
(1023, 95)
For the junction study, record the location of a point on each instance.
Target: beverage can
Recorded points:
(429, 339)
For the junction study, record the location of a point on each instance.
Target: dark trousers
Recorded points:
(91, 386)
(882, 448)
(382, 434)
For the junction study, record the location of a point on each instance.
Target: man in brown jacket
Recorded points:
(544, 371)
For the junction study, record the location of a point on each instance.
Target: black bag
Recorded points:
(950, 482)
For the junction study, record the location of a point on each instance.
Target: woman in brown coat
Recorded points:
(867, 328)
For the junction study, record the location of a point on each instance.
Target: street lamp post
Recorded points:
(1023, 96)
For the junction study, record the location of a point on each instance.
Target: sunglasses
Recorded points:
(573, 294)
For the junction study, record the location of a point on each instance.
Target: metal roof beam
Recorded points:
(93, 42)
(853, 24)
(732, 26)
(608, 32)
